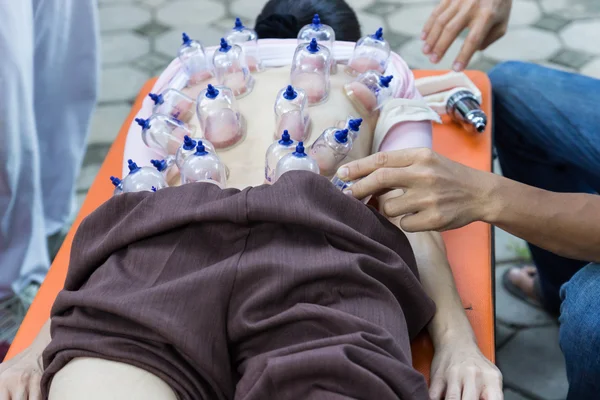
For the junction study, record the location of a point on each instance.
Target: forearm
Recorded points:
(32, 355)
(450, 321)
(567, 224)
(39, 344)
(42, 340)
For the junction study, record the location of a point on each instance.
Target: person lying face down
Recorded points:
(282, 291)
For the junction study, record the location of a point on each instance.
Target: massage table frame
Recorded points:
(470, 249)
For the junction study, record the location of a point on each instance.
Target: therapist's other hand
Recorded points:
(487, 21)
(438, 194)
(20, 376)
(460, 371)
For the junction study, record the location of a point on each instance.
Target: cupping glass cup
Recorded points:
(220, 120)
(276, 152)
(296, 161)
(194, 61)
(330, 149)
(247, 39)
(231, 70)
(323, 34)
(371, 53)
(203, 166)
(162, 133)
(173, 103)
(291, 113)
(310, 71)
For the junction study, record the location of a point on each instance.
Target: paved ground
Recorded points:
(139, 38)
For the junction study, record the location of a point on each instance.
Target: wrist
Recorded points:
(454, 338)
(490, 201)
(451, 328)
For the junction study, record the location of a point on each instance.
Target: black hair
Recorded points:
(282, 19)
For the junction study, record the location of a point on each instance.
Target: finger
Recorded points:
(451, 31)
(453, 390)
(472, 43)
(358, 92)
(35, 391)
(492, 386)
(20, 393)
(492, 394)
(422, 221)
(365, 166)
(436, 30)
(471, 388)
(433, 16)
(437, 387)
(382, 179)
(401, 205)
(496, 33)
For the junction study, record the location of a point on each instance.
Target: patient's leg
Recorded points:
(98, 379)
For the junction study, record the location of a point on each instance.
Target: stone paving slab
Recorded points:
(532, 363)
(123, 16)
(503, 334)
(509, 247)
(512, 395)
(107, 121)
(123, 47)
(121, 83)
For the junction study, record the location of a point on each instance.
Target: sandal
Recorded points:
(518, 292)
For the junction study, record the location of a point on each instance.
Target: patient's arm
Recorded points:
(458, 365)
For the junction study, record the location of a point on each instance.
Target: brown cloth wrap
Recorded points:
(290, 291)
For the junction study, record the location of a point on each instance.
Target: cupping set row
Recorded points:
(169, 132)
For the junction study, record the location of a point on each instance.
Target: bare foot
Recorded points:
(524, 279)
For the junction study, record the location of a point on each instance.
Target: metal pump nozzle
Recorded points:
(464, 108)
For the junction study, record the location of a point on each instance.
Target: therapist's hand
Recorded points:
(438, 194)
(487, 21)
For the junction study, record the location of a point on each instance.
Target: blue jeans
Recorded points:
(580, 332)
(547, 134)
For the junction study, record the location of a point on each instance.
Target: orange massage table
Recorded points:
(469, 249)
